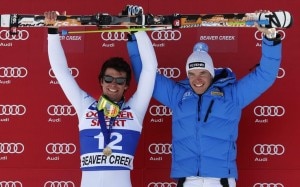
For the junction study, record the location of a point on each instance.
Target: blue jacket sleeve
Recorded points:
(257, 82)
(134, 55)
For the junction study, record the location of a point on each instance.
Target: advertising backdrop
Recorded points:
(39, 144)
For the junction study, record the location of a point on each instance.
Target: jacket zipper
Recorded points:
(199, 103)
(208, 110)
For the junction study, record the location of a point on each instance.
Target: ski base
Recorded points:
(278, 19)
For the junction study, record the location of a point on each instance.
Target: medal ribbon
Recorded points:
(105, 130)
(108, 108)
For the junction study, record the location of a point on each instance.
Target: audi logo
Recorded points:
(10, 184)
(259, 35)
(281, 73)
(162, 184)
(12, 110)
(269, 111)
(268, 185)
(59, 184)
(60, 148)
(74, 72)
(12, 148)
(168, 35)
(268, 149)
(20, 35)
(61, 110)
(160, 110)
(13, 72)
(114, 36)
(134, 10)
(160, 148)
(169, 72)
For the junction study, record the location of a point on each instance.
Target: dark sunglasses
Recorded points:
(118, 80)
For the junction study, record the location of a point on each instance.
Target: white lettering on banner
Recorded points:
(160, 120)
(54, 158)
(261, 160)
(54, 120)
(261, 121)
(108, 45)
(159, 45)
(70, 37)
(4, 119)
(217, 37)
(208, 37)
(3, 158)
(54, 82)
(6, 44)
(226, 37)
(5, 82)
(116, 159)
(156, 158)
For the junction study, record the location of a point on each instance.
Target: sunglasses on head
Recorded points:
(118, 80)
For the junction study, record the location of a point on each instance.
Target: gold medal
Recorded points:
(109, 108)
(107, 151)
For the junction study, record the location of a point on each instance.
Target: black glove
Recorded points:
(52, 30)
(180, 182)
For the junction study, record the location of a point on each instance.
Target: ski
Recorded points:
(277, 19)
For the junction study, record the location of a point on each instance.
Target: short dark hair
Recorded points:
(118, 64)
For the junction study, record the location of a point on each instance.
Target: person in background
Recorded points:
(206, 111)
(106, 149)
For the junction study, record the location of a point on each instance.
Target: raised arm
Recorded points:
(265, 73)
(61, 70)
(146, 79)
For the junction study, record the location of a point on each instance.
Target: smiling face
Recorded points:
(200, 80)
(113, 90)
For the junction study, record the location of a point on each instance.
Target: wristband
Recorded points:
(52, 30)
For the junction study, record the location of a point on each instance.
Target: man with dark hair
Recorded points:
(109, 128)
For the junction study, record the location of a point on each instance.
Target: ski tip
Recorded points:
(279, 19)
(289, 19)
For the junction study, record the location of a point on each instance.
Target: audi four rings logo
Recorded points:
(61, 110)
(20, 35)
(160, 148)
(59, 184)
(13, 72)
(259, 35)
(268, 185)
(74, 72)
(268, 149)
(162, 184)
(10, 184)
(12, 110)
(12, 148)
(60, 148)
(281, 73)
(269, 111)
(160, 110)
(166, 35)
(114, 36)
(169, 72)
